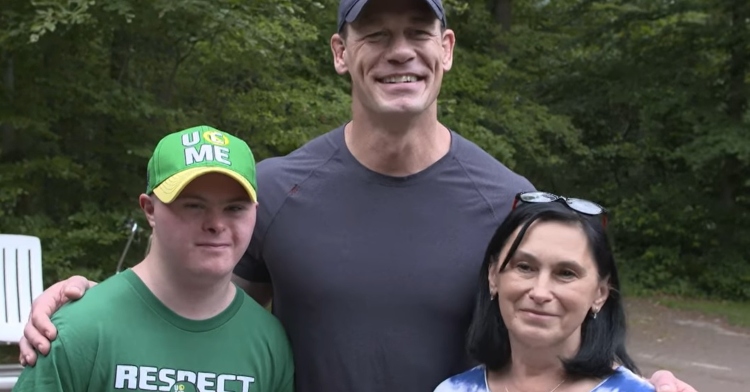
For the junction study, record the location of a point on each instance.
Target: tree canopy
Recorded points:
(641, 105)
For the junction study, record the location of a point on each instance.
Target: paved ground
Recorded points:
(703, 351)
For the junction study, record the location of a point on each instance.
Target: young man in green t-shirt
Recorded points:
(175, 322)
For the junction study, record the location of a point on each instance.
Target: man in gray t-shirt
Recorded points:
(372, 234)
(374, 275)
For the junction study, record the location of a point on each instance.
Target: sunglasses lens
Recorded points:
(585, 206)
(538, 197)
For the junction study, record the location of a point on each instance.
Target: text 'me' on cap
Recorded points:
(183, 156)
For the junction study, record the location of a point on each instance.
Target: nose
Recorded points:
(400, 50)
(213, 222)
(540, 293)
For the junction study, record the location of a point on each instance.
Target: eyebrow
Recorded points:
(564, 263)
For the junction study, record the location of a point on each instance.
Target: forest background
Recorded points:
(641, 105)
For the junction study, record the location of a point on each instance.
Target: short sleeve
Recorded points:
(287, 377)
(285, 364)
(52, 373)
(472, 380)
(449, 386)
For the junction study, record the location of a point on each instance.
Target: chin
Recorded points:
(214, 268)
(403, 109)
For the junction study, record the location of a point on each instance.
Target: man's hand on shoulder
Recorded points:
(665, 381)
(39, 330)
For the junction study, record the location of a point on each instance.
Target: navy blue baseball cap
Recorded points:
(350, 9)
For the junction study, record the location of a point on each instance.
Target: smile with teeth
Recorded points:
(400, 79)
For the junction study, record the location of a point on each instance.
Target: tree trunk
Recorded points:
(119, 55)
(739, 13)
(7, 133)
(503, 13)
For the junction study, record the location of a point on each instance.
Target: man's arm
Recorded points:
(39, 331)
(252, 275)
(261, 292)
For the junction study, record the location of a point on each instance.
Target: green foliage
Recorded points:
(88, 88)
(641, 105)
(659, 111)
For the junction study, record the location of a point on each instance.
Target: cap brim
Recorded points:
(168, 190)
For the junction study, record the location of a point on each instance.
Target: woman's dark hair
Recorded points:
(602, 339)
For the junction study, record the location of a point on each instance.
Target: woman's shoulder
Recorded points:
(472, 380)
(624, 380)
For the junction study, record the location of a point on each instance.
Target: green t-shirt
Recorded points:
(120, 337)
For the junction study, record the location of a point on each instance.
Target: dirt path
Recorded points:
(702, 351)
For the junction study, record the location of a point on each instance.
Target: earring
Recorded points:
(595, 311)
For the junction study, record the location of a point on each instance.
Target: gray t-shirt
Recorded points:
(374, 276)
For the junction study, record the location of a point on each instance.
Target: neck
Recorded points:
(532, 368)
(397, 145)
(194, 298)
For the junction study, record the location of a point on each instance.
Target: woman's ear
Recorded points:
(602, 293)
(492, 275)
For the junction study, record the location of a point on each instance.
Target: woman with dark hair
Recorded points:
(549, 315)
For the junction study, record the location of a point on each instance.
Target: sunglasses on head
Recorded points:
(582, 206)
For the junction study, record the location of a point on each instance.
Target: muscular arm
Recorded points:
(262, 293)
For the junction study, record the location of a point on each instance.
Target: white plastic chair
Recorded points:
(9, 376)
(20, 282)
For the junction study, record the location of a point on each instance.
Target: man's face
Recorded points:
(396, 54)
(205, 231)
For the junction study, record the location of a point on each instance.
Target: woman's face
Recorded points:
(549, 286)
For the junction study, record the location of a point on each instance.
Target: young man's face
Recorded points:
(396, 53)
(206, 230)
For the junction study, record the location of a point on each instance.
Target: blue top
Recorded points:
(474, 380)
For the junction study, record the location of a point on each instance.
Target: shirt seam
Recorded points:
(286, 198)
(476, 187)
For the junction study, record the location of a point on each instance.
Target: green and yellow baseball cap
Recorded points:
(181, 157)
